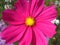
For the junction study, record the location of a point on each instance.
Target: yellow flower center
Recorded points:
(29, 21)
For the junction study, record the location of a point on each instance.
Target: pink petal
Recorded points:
(40, 8)
(48, 14)
(32, 5)
(22, 14)
(23, 7)
(19, 36)
(36, 7)
(22, 4)
(48, 28)
(12, 32)
(38, 37)
(26, 39)
(12, 17)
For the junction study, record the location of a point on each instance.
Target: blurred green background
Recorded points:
(56, 39)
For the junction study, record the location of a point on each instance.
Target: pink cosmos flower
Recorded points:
(52, 3)
(29, 23)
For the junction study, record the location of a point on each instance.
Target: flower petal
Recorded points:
(38, 37)
(26, 39)
(32, 5)
(12, 32)
(48, 14)
(36, 7)
(22, 4)
(22, 14)
(40, 7)
(12, 17)
(48, 28)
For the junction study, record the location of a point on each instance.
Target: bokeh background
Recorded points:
(56, 39)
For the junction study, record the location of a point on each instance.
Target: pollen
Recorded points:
(29, 21)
